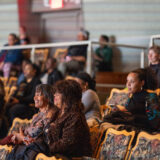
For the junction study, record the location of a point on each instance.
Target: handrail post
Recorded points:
(89, 58)
(142, 59)
(32, 54)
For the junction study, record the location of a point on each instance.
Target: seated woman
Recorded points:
(90, 98)
(18, 105)
(29, 141)
(138, 81)
(69, 134)
(10, 58)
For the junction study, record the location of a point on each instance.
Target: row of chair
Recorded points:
(108, 142)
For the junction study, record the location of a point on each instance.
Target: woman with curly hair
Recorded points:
(28, 142)
(69, 134)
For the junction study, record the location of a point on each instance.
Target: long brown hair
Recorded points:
(71, 94)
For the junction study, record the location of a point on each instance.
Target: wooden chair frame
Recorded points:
(145, 135)
(124, 132)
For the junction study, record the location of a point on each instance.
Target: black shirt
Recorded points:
(137, 103)
(79, 50)
(26, 91)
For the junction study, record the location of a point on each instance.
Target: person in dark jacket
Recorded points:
(138, 82)
(51, 75)
(23, 97)
(69, 134)
(154, 61)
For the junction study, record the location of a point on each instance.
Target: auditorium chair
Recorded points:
(40, 57)
(17, 124)
(117, 99)
(115, 145)
(4, 150)
(147, 147)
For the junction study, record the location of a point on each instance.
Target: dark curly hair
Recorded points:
(71, 94)
(47, 91)
(149, 77)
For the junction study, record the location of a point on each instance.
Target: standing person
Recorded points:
(69, 134)
(11, 58)
(103, 55)
(51, 75)
(90, 98)
(28, 142)
(154, 61)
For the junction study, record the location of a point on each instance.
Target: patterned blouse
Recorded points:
(39, 121)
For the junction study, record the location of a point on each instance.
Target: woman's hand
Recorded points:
(28, 140)
(18, 137)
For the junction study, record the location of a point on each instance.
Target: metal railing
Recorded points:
(152, 38)
(89, 51)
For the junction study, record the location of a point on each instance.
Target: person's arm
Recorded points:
(89, 99)
(79, 58)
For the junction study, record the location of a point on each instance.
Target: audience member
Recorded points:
(138, 82)
(23, 97)
(28, 142)
(103, 55)
(21, 76)
(75, 57)
(154, 61)
(51, 75)
(10, 58)
(69, 134)
(90, 98)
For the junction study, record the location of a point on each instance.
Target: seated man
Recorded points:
(154, 61)
(103, 55)
(18, 106)
(51, 75)
(75, 57)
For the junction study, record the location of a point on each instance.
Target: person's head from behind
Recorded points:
(30, 70)
(12, 39)
(85, 81)
(51, 63)
(67, 95)
(83, 35)
(141, 79)
(154, 55)
(103, 39)
(44, 96)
